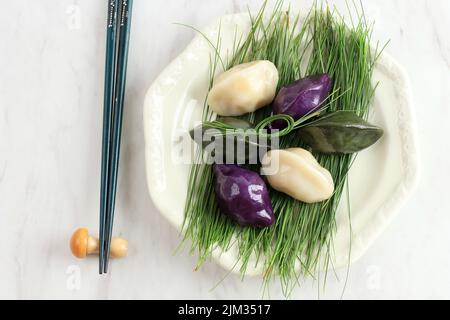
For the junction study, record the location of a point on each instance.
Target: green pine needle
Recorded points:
(302, 235)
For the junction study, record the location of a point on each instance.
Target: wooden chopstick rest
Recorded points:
(82, 244)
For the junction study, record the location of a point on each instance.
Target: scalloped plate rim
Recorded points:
(387, 212)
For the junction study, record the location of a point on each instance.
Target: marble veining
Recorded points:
(51, 94)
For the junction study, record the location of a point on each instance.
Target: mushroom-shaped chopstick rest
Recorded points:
(82, 244)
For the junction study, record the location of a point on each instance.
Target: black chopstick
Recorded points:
(117, 44)
(110, 71)
(124, 26)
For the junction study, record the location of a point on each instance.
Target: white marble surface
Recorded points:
(51, 92)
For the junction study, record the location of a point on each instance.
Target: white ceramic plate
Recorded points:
(381, 179)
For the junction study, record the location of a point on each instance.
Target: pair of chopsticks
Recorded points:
(117, 44)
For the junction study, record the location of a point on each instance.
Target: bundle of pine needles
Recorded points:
(301, 238)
